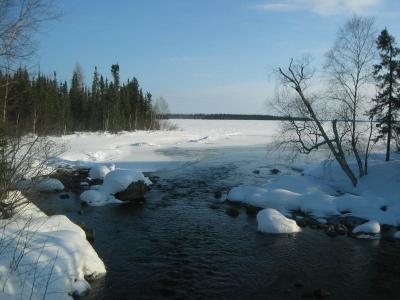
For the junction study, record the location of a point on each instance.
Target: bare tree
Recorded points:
(19, 21)
(161, 109)
(349, 65)
(305, 129)
(19, 155)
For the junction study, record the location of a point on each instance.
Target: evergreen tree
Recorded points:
(43, 105)
(386, 102)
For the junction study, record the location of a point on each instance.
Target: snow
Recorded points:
(49, 185)
(99, 172)
(272, 221)
(118, 180)
(97, 198)
(144, 150)
(53, 257)
(375, 198)
(114, 182)
(371, 227)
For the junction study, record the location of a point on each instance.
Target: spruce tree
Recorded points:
(386, 101)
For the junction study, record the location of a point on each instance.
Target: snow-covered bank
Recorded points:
(45, 257)
(142, 150)
(322, 190)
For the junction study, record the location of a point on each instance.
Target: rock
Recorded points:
(232, 211)
(214, 206)
(256, 171)
(134, 192)
(330, 231)
(341, 229)
(48, 185)
(384, 208)
(370, 228)
(252, 211)
(301, 222)
(314, 224)
(64, 196)
(385, 228)
(321, 293)
(388, 238)
(71, 178)
(275, 171)
(217, 194)
(90, 234)
(96, 181)
(351, 221)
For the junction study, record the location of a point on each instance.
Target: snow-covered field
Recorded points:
(142, 150)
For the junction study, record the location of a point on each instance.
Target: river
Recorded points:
(181, 244)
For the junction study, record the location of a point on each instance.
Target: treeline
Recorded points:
(225, 117)
(44, 105)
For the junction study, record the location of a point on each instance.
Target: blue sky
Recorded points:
(201, 55)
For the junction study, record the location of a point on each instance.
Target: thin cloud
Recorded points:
(320, 7)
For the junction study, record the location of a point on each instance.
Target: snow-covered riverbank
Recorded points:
(45, 257)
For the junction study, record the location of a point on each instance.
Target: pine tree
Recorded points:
(386, 101)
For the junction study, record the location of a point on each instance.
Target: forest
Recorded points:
(44, 105)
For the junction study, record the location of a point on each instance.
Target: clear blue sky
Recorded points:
(201, 55)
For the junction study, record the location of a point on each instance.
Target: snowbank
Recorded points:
(114, 182)
(272, 221)
(49, 185)
(45, 256)
(377, 196)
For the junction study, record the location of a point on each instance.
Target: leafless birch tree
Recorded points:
(349, 64)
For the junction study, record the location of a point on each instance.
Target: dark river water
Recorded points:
(175, 246)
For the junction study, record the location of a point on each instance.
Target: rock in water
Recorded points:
(272, 221)
(232, 211)
(275, 171)
(217, 194)
(134, 192)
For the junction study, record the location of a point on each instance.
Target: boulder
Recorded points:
(217, 194)
(252, 211)
(232, 211)
(275, 171)
(134, 192)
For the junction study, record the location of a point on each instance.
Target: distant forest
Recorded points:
(44, 105)
(226, 117)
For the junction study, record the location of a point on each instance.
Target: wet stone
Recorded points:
(252, 211)
(232, 211)
(275, 171)
(217, 194)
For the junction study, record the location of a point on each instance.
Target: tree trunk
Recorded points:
(389, 134)
(338, 154)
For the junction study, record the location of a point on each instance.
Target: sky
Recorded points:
(202, 56)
